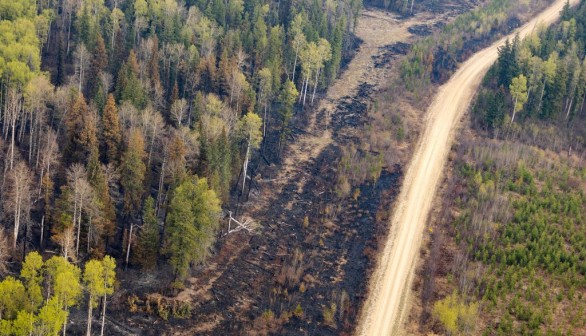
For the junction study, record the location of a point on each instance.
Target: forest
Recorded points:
(127, 132)
(507, 253)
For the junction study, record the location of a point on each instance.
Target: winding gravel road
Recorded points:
(386, 305)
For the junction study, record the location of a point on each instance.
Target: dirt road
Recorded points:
(385, 308)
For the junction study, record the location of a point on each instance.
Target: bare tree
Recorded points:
(82, 60)
(17, 200)
(11, 116)
(178, 111)
(82, 196)
(151, 124)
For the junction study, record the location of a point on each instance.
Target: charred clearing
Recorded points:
(306, 270)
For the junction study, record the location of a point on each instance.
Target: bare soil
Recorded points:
(293, 273)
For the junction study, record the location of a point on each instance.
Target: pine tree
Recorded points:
(111, 134)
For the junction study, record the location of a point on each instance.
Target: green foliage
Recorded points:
(63, 279)
(249, 128)
(133, 173)
(147, 250)
(129, 87)
(12, 297)
(192, 222)
(518, 90)
(287, 99)
(98, 278)
(32, 275)
(20, 57)
(524, 223)
(38, 303)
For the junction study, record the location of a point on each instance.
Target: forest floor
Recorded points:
(305, 271)
(388, 301)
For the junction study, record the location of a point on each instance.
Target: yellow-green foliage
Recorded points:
(455, 315)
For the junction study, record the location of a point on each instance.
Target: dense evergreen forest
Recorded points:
(127, 125)
(508, 254)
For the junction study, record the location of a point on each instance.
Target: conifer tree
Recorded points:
(149, 239)
(81, 131)
(98, 64)
(133, 172)
(192, 221)
(111, 134)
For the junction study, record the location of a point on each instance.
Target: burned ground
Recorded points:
(306, 270)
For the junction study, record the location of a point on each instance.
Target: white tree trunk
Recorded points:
(103, 316)
(315, 85)
(514, 110)
(245, 167)
(89, 317)
(129, 244)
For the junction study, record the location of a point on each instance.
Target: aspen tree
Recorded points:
(249, 129)
(518, 90)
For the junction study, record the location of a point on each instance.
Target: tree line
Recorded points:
(434, 59)
(541, 78)
(127, 124)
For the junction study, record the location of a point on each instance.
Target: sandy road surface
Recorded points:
(385, 308)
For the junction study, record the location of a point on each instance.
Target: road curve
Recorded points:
(384, 310)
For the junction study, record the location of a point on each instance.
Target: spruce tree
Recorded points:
(149, 238)
(192, 222)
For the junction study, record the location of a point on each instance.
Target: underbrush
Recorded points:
(518, 224)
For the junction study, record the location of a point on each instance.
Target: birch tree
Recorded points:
(324, 54)
(82, 197)
(298, 40)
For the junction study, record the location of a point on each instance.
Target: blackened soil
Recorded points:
(390, 53)
(351, 111)
(420, 30)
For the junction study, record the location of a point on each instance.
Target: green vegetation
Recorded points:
(191, 224)
(522, 217)
(518, 236)
(434, 59)
(542, 77)
(110, 108)
(456, 316)
(39, 301)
